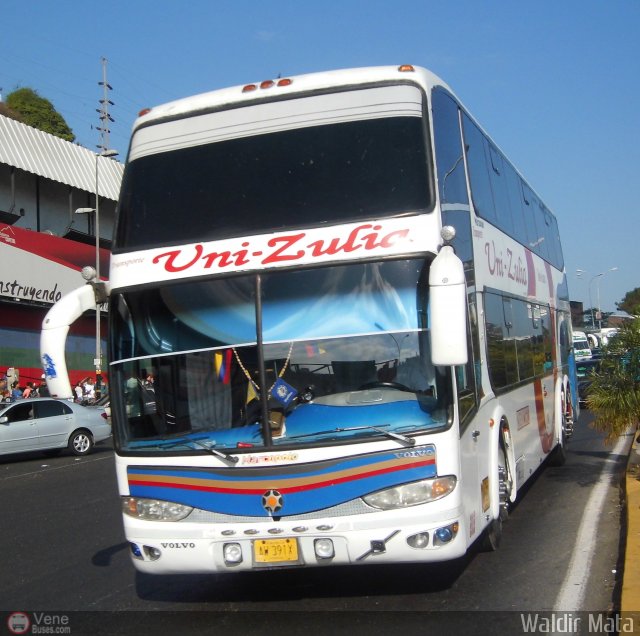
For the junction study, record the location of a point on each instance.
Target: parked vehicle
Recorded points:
(50, 424)
(104, 403)
(585, 370)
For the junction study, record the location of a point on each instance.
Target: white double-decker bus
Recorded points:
(338, 327)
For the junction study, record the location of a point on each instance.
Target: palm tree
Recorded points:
(614, 394)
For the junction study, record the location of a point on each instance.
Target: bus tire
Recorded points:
(558, 455)
(80, 442)
(492, 535)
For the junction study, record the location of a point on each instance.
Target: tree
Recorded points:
(39, 112)
(8, 112)
(631, 302)
(614, 394)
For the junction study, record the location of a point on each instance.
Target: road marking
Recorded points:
(575, 583)
(49, 468)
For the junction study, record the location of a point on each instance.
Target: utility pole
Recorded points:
(103, 151)
(103, 111)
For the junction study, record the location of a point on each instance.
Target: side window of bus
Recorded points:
(500, 190)
(519, 340)
(552, 238)
(452, 184)
(479, 163)
(516, 203)
(565, 339)
(542, 244)
(500, 347)
(533, 238)
(542, 340)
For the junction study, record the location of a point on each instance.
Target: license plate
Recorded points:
(275, 550)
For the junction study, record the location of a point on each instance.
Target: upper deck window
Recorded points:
(313, 161)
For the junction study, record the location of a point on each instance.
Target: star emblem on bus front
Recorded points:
(272, 501)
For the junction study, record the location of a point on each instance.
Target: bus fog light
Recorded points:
(153, 553)
(413, 494)
(420, 540)
(446, 534)
(324, 548)
(232, 553)
(135, 550)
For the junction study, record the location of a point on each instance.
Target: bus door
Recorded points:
(474, 443)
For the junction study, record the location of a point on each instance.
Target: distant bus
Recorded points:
(339, 327)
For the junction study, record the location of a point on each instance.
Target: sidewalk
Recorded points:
(630, 602)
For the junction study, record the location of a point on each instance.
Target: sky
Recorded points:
(555, 83)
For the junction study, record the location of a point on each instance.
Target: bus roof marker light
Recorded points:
(144, 111)
(249, 88)
(406, 68)
(285, 81)
(267, 84)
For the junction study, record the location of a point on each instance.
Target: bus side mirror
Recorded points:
(448, 309)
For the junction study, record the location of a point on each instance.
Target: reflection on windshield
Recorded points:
(356, 363)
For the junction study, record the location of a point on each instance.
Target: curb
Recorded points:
(630, 597)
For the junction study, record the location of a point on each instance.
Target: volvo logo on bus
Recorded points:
(272, 501)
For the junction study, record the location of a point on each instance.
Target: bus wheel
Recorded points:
(558, 455)
(492, 536)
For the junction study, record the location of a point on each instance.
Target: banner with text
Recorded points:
(40, 268)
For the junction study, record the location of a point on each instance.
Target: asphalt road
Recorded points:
(64, 555)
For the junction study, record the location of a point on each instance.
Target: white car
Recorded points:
(49, 424)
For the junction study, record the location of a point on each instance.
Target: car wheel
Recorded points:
(80, 442)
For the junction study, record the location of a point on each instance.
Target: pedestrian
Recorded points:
(43, 389)
(28, 392)
(16, 392)
(89, 391)
(78, 392)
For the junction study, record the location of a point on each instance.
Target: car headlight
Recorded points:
(154, 509)
(418, 492)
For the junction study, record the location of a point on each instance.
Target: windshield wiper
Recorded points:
(409, 441)
(188, 442)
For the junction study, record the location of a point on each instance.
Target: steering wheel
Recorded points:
(377, 384)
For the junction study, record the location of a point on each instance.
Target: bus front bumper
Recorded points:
(283, 545)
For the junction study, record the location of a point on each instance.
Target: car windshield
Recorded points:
(345, 352)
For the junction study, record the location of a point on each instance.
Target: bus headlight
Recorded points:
(418, 492)
(154, 509)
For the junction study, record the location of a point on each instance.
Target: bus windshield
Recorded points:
(305, 176)
(345, 348)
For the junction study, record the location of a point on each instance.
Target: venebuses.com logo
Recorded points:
(38, 623)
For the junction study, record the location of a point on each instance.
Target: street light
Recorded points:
(98, 359)
(597, 277)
